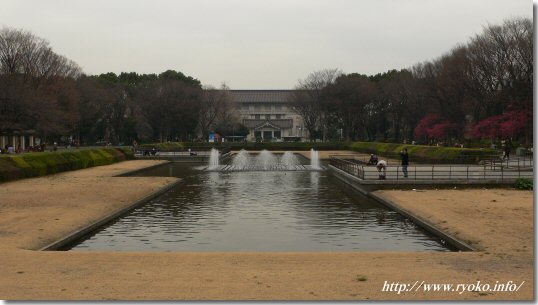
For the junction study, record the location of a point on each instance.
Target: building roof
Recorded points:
(262, 96)
(258, 123)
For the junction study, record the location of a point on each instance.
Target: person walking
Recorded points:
(404, 155)
(507, 150)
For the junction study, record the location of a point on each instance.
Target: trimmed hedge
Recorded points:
(417, 153)
(426, 153)
(166, 146)
(37, 164)
(181, 146)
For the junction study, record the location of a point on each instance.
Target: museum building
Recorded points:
(269, 115)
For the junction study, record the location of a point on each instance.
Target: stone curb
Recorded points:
(74, 236)
(424, 224)
(134, 171)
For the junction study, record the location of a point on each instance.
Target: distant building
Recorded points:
(269, 115)
(18, 139)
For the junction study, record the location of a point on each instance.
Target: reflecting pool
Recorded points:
(259, 211)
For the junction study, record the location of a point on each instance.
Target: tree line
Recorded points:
(49, 94)
(478, 90)
(481, 90)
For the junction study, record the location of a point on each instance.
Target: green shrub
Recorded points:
(166, 146)
(126, 152)
(418, 153)
(424, 153)
(182, 146)
(44, 163)
(524, 184)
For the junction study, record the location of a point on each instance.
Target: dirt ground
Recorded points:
(38, 211)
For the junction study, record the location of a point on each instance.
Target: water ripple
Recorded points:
(253, 211)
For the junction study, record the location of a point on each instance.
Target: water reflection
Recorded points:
(259, 211)
(314, 181)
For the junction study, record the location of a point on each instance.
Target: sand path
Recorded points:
(37, 211)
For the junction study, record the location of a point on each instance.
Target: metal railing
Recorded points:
(363, 159)
(461, 159)
(180, 153)
(350, 167)
(519, 162)
(171, 153)
(432, 172)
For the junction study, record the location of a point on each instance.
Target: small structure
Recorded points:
(19, 138)
(234, 138)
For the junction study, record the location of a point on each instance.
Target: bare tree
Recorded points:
(216, 108)
(304, 106)
(308, 100)
(501, 60)
(171, 107)
(348, 99)
(38, 91)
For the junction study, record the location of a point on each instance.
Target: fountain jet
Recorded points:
(314, 159)
(289, 160)
(264, 161)
(241, 160)
(213, 159)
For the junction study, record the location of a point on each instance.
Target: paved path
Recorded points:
(447, 172)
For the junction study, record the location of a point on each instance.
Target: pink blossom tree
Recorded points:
(432, 126)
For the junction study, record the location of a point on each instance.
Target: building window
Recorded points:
(277, 134)
(267, 135)
(268, 107)
(278, 107)
(257, 107)
(257, 134)
(257, 116)
(279, 116)
(267, 116)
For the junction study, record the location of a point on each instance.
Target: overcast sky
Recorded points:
(255, 44)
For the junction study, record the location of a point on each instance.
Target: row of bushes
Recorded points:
(419, 153)
(44, 163)
(181, 146)
(425, 153)
(476, 143)
(167, 146)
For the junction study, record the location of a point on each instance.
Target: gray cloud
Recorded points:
(255, 44)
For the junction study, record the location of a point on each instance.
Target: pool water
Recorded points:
(259, 211)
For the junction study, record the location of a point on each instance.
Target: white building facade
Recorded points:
(269, 115)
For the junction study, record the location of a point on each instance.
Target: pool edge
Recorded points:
(424, 224)
(78, 234)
